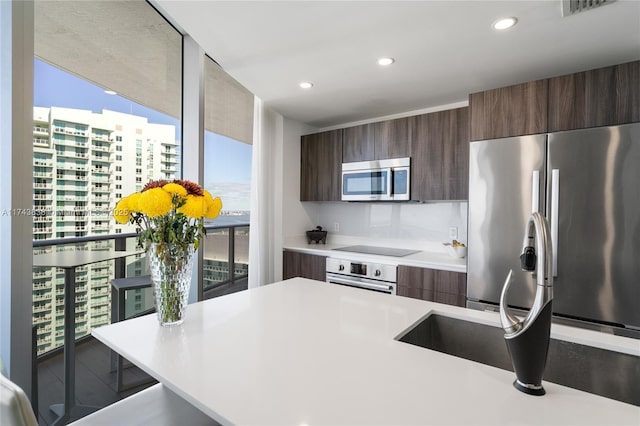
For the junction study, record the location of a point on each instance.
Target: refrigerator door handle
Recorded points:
(535, 190)
(555, 189)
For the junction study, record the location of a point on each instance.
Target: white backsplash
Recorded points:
(414, 223)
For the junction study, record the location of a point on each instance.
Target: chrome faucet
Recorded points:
(528, 340)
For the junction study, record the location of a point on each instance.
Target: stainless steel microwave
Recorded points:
(379, 180)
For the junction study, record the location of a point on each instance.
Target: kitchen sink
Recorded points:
(599, 371)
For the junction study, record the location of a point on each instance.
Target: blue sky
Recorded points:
(227, 163)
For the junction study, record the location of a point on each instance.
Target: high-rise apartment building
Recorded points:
(83, 163)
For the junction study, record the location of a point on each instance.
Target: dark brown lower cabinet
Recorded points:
(295, 264)
(433, 285)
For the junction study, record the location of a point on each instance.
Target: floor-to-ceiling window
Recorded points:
(227, 174)
(107, 109)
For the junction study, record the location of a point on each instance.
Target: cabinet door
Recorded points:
(393, 138)
(440, 156)
(509, 111)
(295, 264)
(417, 283)
(432, 285)
(601, 97)
(358, 144)
(321, 166)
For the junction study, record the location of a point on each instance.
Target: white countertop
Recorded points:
(303, 352)
(431, 255)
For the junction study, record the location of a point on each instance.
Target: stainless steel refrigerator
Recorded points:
(587, 183)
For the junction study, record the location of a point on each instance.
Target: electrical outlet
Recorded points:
(453, 232)
(336, 227)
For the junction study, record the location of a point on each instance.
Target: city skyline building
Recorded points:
(83, 163)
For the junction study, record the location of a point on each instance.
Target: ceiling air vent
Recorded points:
(571, 7)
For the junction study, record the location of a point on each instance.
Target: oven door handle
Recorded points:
(363, 284)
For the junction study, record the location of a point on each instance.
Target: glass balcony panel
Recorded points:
(137, 302)
(215, 268)
(241, 252)
(93, 293)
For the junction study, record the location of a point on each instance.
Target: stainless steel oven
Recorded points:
(380, 180)
(373, 276)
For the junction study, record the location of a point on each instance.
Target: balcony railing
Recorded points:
(103, 170)
(43, 174)
(72, 166)
(72, 154)
(101, 158)
(70, 143)
(100, 189)
(104, 138)
(226, 244)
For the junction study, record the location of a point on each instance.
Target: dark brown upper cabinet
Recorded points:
(440, 156)
(377, 141)
(509, 111)
(601, 97)
(321, 166)
(393, 138)
(358, 143)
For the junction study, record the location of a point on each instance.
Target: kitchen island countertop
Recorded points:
(301, 352)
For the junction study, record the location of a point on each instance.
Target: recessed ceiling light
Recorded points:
(504, 23)
(110, 92)
(386, 61)
(306, 85)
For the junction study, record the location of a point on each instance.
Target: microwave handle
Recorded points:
(389, 181)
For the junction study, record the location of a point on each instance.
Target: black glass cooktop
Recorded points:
(382, 251)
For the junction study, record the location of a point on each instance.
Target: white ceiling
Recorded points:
(444, 50)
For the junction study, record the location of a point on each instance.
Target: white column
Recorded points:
(193, 131)
(16, 174)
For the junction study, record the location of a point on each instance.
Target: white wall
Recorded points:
(293, 216)
(296, 219)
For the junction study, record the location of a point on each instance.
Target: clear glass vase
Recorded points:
(171, 266)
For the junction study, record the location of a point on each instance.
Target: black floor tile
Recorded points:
(95, 382)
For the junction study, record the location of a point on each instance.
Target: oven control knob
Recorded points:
(341, 268)
(377, 273)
